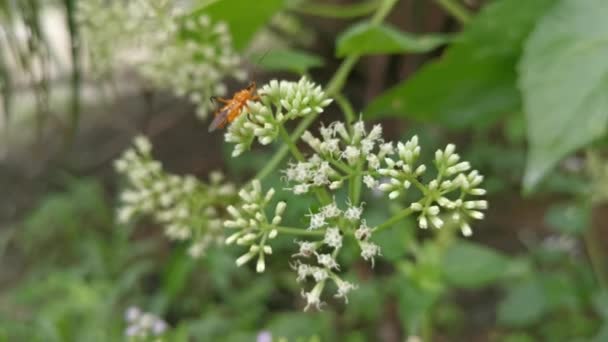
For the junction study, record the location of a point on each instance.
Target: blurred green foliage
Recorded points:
(525, 78)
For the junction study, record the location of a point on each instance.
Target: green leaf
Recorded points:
(568, 218)
(524, 305)
(475, 80)
(367, 39)
(177, 273)
(564, 81)
(244, 18)
(472, 266)
(295, 61)
(367, 302)
(561, 291)
(394, 242)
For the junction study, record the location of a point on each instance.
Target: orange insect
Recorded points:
(232, 107)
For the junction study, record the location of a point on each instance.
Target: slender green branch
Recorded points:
(396, 218)
(300, 231)
(340, 165)
(383, 11)
(273, 163)
(356, 195)
(337, 11)
(290, 144)
(346, 107)
(456, 10)
(596, 256)
(334, 86)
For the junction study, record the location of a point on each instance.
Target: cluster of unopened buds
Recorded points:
(341, 154)
(252, 225)
(281, 101)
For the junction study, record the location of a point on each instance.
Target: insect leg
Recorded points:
(219, 99)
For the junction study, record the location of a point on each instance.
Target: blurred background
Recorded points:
(519, 87)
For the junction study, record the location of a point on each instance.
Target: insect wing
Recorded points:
(221, 118)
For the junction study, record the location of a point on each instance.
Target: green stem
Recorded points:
(456, 10)
(347, 108)
(356, 195)
(396, 218)
(338, 11)
(383, 11)
(334, 87)
(340, 165)
(427, 328)
(290, 144)
(299, 231)
(596, 257)
(336, 83)
(272, 163)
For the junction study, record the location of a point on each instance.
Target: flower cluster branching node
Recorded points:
(253, 227)
(142, 324)
(187, 208)
(190, 54)
(280, 101)
(338, 156)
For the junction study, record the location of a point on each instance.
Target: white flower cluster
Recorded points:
(337, 155)
(448, 191)
(254, 229)
(142, 324)
(392, 169)
(191, 55)
(193, 59)
(280, 101)
(183, 205)
(336, 223)
(113, 29)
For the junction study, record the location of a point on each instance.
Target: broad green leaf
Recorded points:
(474, 81)
(394, 242)
(244, 18)
(298, 62)
(561, 291)
(524, 305)
(367, 302)
(564, 81)
(367, 39)
(568, 218)
(470, 265)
